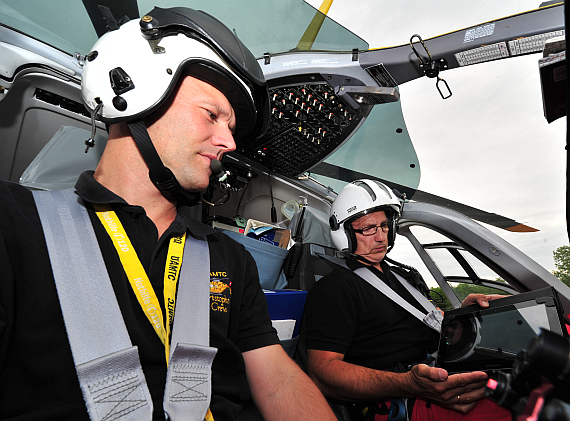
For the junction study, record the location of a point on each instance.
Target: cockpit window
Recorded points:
(279, 26)
(380, 149)
(64, 24)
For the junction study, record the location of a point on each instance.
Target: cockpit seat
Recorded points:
(268, 259)
(305, 265)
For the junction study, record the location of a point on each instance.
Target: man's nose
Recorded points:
(224, 139)
(380, 234)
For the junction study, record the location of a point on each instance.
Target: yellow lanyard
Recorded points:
(139, 279)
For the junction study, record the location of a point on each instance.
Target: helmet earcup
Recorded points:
(392, 232)
(351, 237)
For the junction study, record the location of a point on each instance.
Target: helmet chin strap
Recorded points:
(162, 177)
(363, 259)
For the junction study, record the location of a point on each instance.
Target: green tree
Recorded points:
(440, 299)
(562, 263)
(462, 290)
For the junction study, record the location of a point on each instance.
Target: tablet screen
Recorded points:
(473, 338)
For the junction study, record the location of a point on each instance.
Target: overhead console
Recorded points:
(311, 116)
(308, 121)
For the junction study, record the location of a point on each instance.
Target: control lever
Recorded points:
(368, 95)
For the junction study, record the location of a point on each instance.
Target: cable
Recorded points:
(402, 265)
(241, 198)
(220, 201)
(273, 210)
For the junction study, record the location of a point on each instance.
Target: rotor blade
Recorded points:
(345, 174)
(473, 213)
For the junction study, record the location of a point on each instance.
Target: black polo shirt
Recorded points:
(346, 314)
(37, 374)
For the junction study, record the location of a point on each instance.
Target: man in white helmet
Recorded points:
(178, 90)
(369, 333)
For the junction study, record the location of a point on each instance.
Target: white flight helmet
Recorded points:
(356, 199)
(132, 70)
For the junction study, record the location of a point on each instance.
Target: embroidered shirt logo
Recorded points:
(220, 292)
(217, 287)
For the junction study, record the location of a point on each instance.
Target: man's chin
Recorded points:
(378, 257)
(196, 186)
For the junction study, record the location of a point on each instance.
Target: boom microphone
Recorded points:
(216, 168)
(219, 174)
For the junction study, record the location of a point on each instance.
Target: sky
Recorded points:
(489, 145)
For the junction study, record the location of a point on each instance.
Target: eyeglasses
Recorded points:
(371, 230)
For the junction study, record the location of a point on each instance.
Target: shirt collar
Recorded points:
(356, 264)
(91, 191)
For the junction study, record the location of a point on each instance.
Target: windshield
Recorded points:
(380, 149)
(264, 26)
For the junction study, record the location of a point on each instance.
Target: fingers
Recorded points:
(434, 374)
(470, 381)
(469, 393)
(481, 299)
(425, 374)
(465, 402)
(435, 384)
(424, 381)
(495, 296)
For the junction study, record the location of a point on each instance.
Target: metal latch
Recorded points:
(431, 67)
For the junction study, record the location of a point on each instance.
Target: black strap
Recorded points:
(161, 176)
(412, 275)
(291, 261)
(147, 150)
(295, 252)
(298, 234)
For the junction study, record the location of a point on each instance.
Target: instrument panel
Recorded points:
(308, 122)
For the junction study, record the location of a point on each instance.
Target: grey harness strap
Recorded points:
(108, 366)
(432, 318)
(189, 379)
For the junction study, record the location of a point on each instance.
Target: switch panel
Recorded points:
(308, 122)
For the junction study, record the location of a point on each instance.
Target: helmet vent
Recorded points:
(383, 187)
(367, 188)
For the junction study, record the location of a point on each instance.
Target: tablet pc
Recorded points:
(474, 339)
